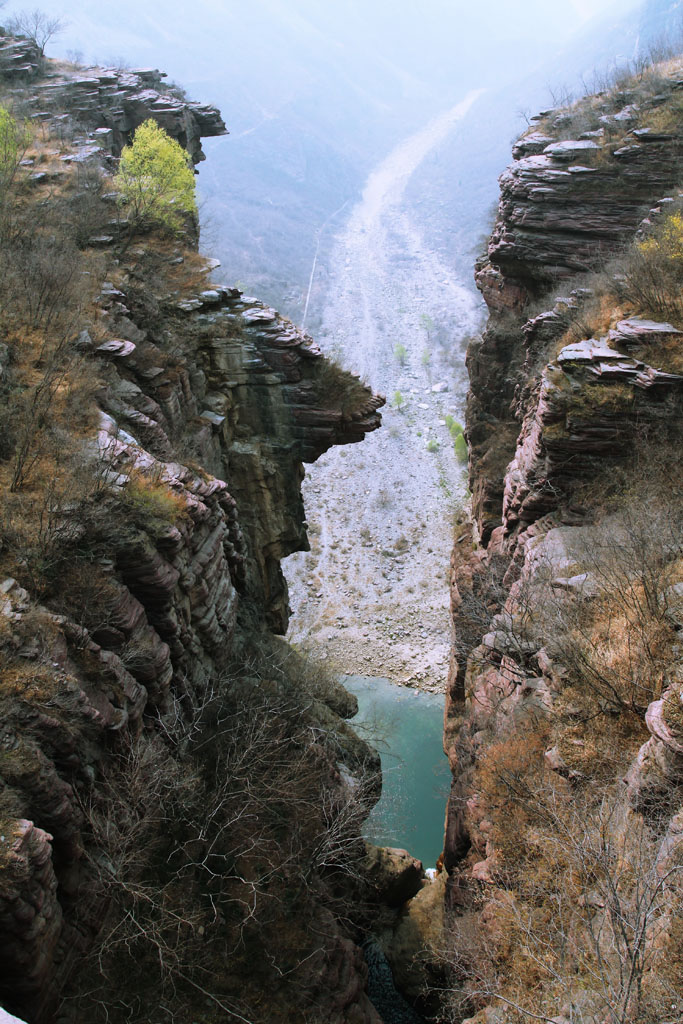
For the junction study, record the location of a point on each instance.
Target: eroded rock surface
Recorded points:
(573, 421)
(209, 402)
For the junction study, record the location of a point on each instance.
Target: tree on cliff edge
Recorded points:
(156, 180)
(37, 26)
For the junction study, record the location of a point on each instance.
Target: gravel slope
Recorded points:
(373, 592)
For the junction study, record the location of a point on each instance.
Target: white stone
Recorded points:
(7, 1018)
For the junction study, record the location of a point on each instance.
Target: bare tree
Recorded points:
(37, 26)
(202, 835)
(586, 929)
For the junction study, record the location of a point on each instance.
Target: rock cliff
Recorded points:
(563, 713)
(181, 797)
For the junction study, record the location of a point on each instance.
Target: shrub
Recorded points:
(152, 503)
(461, 451)
(214, 842)
(401, 353)
(338, 387)
(587, 920)
(455, 429)
(667, 241)
(432, 445)
(427, 322)
(156, 180)
(14, 138)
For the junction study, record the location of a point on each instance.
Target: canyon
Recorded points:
(183, 797)
(394, 314)
(142, 590)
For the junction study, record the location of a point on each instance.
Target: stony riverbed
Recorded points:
(372, 594)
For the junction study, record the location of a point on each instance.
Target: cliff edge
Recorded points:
(181, 797)
(563, 723)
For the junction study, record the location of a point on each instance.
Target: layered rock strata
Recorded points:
(209, 403)
(109, 103)
(567, 205)
(571, 380)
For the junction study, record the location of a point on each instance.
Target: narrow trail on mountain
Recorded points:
(373, 592)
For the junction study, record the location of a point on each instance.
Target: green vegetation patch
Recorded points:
(156, 180)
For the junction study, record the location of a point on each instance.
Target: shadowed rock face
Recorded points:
(259, 400)
(551, 413)
(566, 206)
(565, 210)
(219, 400)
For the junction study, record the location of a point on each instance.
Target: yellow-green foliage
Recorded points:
(156, 180)
(668, 241)
(461, 448)
(654, 273)
(14, 138)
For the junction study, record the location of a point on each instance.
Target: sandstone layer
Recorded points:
(563, 713)
(163, 619)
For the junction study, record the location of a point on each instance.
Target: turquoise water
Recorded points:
(406, 727)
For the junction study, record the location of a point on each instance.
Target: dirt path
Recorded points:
(372, 594)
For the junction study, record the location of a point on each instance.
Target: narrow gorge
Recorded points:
(184, 798)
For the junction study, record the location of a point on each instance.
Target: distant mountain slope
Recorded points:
(317, 94)
(457, 189)
(314, 95)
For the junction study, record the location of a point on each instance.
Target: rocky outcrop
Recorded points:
(112, 103)
(592, 404)
(209, 402)
(32, 917)
(395, 875)
(106, 104)
(259, 400)
(571, 564)
(20, 59)
(568, 203)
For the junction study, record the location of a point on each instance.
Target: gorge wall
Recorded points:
(181, 798)
(563, 719)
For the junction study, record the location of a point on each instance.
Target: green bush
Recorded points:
(654, 275)
(401, 353)
(156, 180)
(454, 428)
(14, 138)
(461, 452)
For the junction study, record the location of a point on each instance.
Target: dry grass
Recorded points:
(34, 684)
(337, 388)
(151, 501)
(499, 772)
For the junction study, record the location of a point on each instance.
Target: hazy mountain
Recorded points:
(457, 187)
(315, 94)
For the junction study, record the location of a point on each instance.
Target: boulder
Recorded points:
(394, 874)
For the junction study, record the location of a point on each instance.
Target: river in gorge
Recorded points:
(406, 727)
(372, 595)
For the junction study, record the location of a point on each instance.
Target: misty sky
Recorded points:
(587, 8)
(316, 92)
(148, 30)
